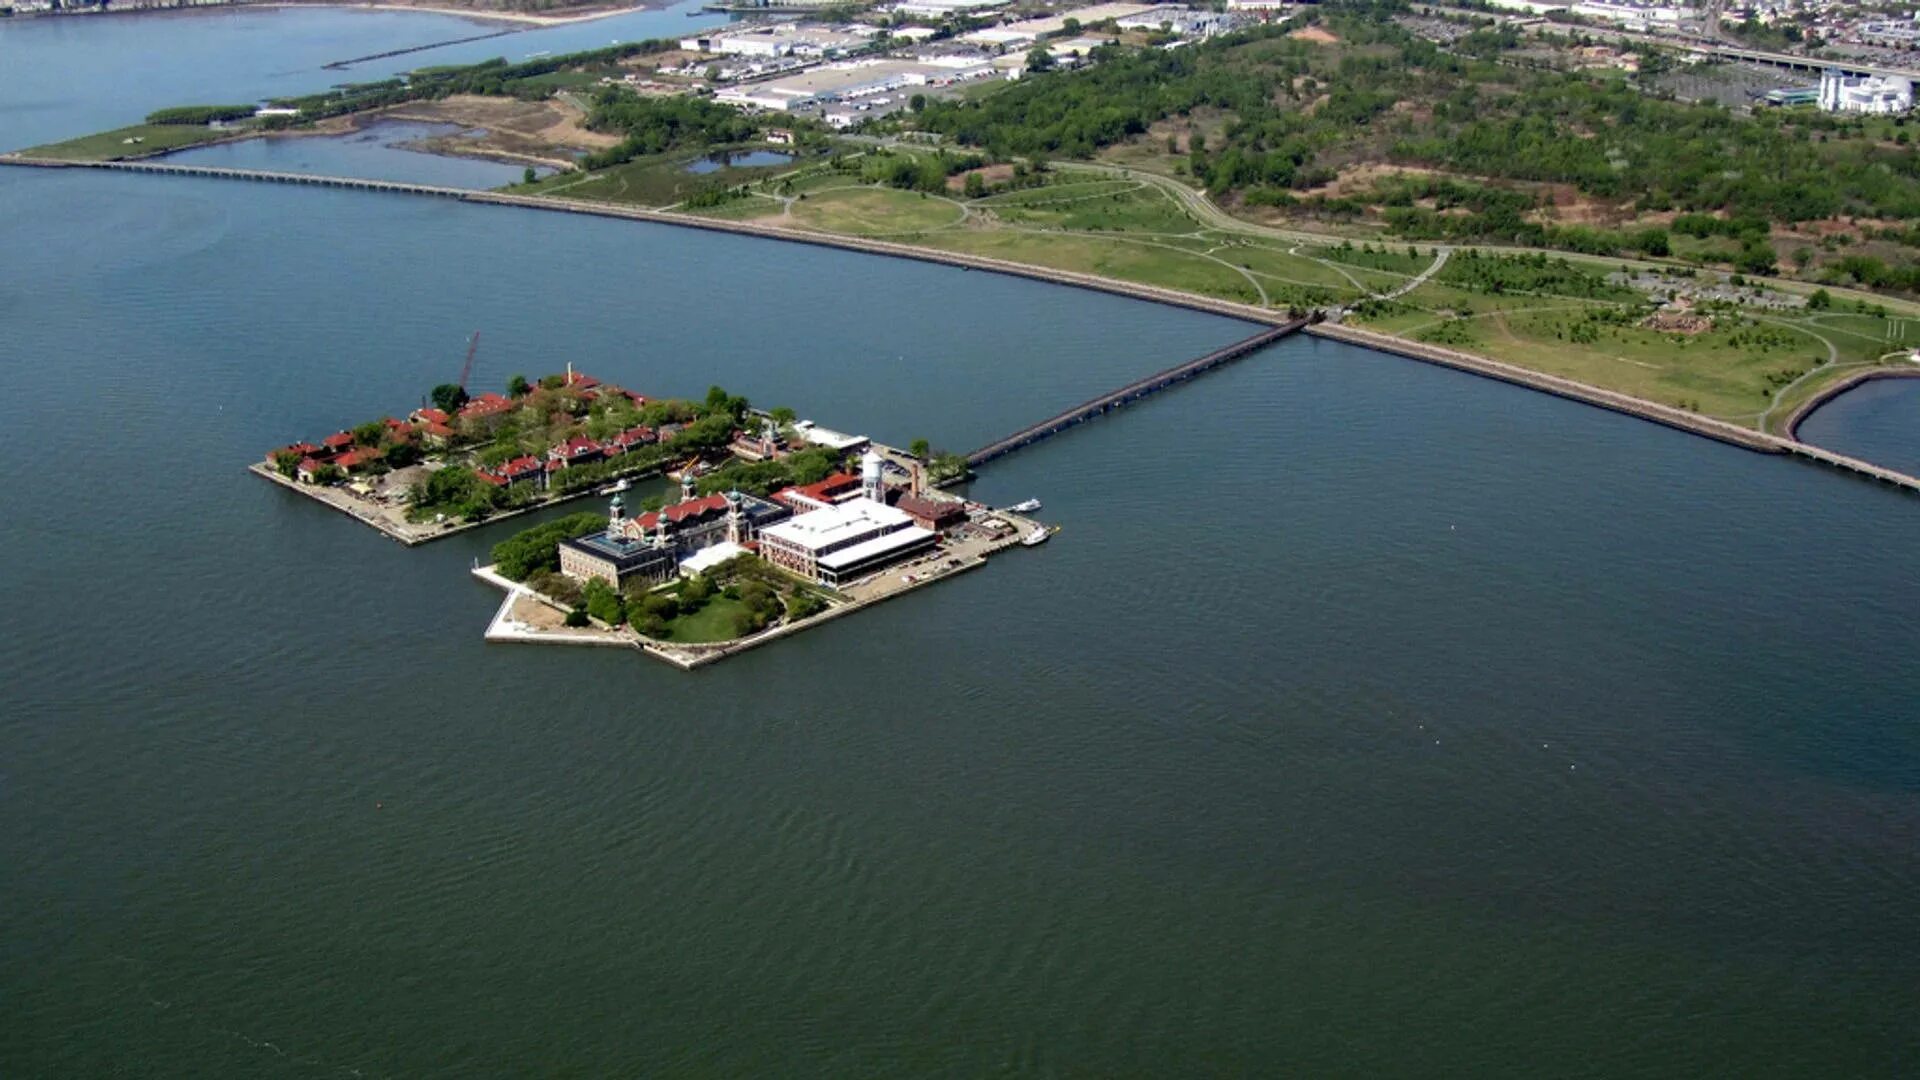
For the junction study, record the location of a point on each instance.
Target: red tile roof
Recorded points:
(487, 404)
(428, 416)
(338, 439)
(304, 449)
(577, 447)
(682, 511)
(824, 491)
(525, 465)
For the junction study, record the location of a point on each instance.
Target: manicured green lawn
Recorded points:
(113, 145)
(713, 622)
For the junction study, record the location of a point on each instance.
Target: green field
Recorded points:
(876, 212)
(657, 181)
(713, 622)
(115, 145)
(1555, 315)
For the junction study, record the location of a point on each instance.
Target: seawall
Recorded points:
(1840, 386)
(1569, 389)
(1681, 419)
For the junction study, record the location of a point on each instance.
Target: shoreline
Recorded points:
(518, 20)
(408, 534)
(1826, 394)
(1584, 393)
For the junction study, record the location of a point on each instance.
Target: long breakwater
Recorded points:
(1569, 389)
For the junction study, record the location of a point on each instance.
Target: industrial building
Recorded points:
(853, 81)
(781, 39)
(1878, 95)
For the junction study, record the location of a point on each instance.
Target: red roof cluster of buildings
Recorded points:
(578, 450)
(436, 427)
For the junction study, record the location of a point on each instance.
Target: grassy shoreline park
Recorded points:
(1300, 166)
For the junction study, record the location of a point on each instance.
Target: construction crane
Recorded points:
(466, 369)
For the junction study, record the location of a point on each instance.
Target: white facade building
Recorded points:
(1879, 95)
(844, 542)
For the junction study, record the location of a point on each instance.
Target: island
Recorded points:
(707, 576)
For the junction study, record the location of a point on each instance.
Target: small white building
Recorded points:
(1877, 95)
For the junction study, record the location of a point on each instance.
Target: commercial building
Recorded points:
(857, 81)
(1879, 95)
(937, 9)
(780, 39)
(841, 543)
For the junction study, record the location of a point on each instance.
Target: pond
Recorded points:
(739, 159)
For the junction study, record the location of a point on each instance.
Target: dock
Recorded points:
(1132, 392)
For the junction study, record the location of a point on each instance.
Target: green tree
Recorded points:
(448, 397)
(918, 103)
(529, 176)
(370, 433)
(518, 386)
(286, 463)
(920, 448)
(974, 186)
(603, 603)
(1821, 300)
(1039, 60)
(783, 416)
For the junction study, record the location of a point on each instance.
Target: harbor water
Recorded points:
(1364, 717)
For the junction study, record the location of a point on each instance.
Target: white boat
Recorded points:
(1037, 537)
(1027, 507)
(615, 489)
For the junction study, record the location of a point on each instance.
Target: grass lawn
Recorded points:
(1099, 205)
(1172, 267)
(113, 145)
(659, 180)
(747, 209)
(875, 212)
(713, 622)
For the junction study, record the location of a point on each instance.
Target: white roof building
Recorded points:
(839, 543)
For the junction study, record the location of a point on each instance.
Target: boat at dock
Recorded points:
(1027, 507)
(615, 488)
(1037, 537)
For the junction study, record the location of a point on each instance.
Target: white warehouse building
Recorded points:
(844, 542)
(1879, 95)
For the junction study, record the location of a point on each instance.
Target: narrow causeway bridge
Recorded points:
(261, 175)
(1134, 391)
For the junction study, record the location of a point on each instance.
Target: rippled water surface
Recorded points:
(1878, 421)
(1364, 718)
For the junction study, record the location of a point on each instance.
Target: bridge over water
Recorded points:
(1133, 391)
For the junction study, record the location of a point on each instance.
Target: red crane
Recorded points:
(466, 369)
